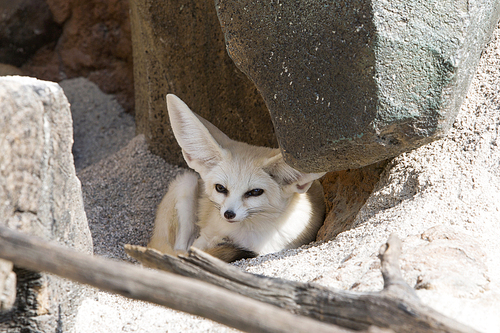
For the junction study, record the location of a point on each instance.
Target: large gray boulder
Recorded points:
(40, 195)
(443, 201)
(350, 83)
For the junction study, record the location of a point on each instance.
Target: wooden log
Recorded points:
(174, 291)
(396, 307)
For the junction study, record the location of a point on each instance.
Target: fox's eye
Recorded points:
(254, 193)
(221, 189)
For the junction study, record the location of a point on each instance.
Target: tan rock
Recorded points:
(345, 193)
(95, 43)
(25, 26)
(444, 249)
(179, 48)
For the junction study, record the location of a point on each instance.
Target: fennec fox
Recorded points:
(242, 201)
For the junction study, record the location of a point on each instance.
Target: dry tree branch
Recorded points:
(396, 307)
(235, 298)
(176, 292)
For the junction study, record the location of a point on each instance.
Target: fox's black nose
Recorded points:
(229, 214)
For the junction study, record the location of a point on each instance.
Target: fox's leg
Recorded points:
(187, 206)
(175, 224)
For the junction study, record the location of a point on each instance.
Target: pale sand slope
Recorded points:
(453, 184)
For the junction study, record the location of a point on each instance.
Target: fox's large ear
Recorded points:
(219, 136)
(292, 180)
(199, 147)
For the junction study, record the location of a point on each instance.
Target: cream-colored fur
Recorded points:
(241, 197)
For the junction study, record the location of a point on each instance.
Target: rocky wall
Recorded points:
(40, 195)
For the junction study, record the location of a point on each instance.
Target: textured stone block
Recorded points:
(7, 285)
(179, 48)
(25, 26)
(40, 195)
(350, 83)
(94, 42)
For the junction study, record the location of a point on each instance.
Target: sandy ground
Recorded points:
(121, 192)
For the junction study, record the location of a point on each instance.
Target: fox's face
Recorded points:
(241, 180)
(242, 191)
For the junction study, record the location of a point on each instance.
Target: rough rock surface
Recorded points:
(25, 26)
(7, 285)
(95, 43)
(189, 60)
(41, 195)
(345, 194)
(443, 200)
(350, 83)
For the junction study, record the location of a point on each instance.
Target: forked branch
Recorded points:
(226, 294)
(396, 307)
(176, 292)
